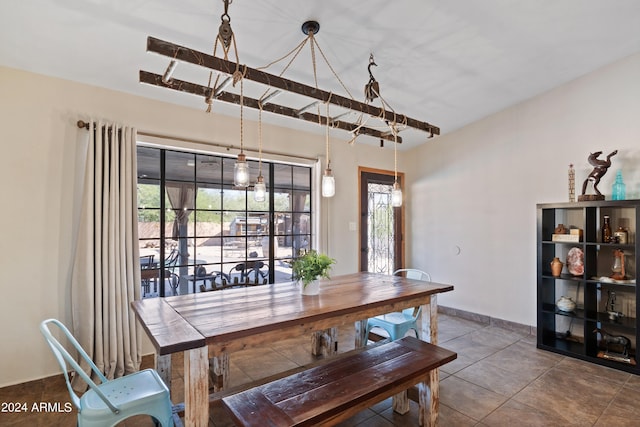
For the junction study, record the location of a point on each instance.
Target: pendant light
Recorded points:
(260, 189)
(328, 182)
(241, 168)
(396, 192)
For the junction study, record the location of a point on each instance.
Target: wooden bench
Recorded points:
(328, 394)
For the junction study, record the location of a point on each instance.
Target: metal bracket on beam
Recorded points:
(306, 107)
(269, 97)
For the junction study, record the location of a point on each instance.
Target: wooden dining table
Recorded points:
(210, 326)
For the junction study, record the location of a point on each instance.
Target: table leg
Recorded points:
(429, 390)
(196, 387)
(429, 321)
(361, 333)
(324, 343)
(400, 402)
(219, 371)
(428, 324)
(163, 366)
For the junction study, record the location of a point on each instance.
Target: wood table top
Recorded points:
(185, 322)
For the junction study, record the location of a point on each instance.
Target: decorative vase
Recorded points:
(566, 304)
(556, 267)
(312, 288)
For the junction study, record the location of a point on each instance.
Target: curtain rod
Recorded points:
(82, 124)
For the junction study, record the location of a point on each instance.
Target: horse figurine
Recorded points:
(621, 341)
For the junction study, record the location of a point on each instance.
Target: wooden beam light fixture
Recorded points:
(277, 84)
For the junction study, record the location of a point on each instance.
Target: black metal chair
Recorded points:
(147, 275)
(251, 273)
(217, 279)
(170, 263)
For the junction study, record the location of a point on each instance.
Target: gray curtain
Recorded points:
(106, 269)
(182, 197)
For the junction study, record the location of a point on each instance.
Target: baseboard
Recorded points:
(488, 320)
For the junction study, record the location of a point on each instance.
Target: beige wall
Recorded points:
(40, 170)
(477, 189)
(473, 189)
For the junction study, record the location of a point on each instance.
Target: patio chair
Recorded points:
(397, 324)
(111, 401)
(251, 272)
(147, 275)
(217, 278)
(170, 275)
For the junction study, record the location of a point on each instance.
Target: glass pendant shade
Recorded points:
(396, 195)
(260, 190)
(328, 184)
(241, 172)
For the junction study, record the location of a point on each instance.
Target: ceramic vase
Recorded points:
(312, 288)
(566, 304)
(556, 267)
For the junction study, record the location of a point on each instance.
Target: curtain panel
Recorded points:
(106, 268)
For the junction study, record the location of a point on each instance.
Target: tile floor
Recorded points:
(499, 379)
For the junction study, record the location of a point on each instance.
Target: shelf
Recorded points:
(593, 285)
(610, 282)
(551, 242)
(626, 247)
(578, 313)
(563, 276)
(564, 346)
(623, 322)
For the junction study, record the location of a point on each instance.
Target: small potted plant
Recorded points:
(309, 268)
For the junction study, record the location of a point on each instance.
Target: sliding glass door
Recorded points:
(197, 230)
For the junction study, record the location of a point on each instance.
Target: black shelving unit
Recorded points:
(573, 333)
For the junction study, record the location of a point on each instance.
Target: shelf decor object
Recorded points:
(617, 347)
(566, 304)
(556, 267)
(572, 183)
(598, 323)
(575, 261)
(600, 167)
(618, 191)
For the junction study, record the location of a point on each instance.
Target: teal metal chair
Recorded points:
(110, 402)
(397, 324)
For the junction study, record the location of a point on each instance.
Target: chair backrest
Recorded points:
(413, 273)
(172, 260)
(201, 271)
(146, 261)
(63, 357)
(251, 267)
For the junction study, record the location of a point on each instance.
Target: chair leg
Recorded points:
(145, 287)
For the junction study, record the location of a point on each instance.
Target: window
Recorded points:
(208, 233)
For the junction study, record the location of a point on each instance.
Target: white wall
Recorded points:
(40, 171)
(477, 188)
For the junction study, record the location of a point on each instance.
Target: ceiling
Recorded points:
(448, 63)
